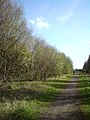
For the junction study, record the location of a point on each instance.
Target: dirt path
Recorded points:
(65, 107)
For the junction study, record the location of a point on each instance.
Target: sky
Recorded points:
(65, 24)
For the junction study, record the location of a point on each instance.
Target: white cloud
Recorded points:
(32, 21)
(66, 17)
(40, 23)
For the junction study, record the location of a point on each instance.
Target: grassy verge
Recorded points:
(27, 100)
(84, 91)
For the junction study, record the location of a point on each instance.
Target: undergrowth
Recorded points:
(27, 100)
(84, 92)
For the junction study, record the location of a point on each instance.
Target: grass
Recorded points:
(27, 100)
(84, 91)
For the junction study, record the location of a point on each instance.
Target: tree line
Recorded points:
(23, 55)
(86, 67)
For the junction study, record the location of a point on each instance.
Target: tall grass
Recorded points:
(27, 100)
(84, 91)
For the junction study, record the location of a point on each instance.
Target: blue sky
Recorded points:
(64, 24)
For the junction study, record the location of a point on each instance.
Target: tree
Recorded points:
(23, 55)
(12, 35)
(86, 67)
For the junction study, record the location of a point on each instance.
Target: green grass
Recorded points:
(27, 100)
(84, 91)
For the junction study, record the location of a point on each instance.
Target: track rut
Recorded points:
(65, 106)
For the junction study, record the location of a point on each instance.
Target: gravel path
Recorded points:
(65, 107)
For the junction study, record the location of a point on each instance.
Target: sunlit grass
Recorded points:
(27, 100)
(84, 91)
